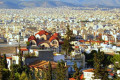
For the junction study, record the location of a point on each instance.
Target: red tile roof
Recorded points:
(56, 34)
(42, 32)
(31, 38)
(81, 41)
(9, 57)
(52, 38)
(76, 46)
(23, 49)
(43, 64)
(81, 77)
(88, 70)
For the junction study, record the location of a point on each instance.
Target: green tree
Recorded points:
(49, 72)
(20, 57)
(67, 46)
(61, 71)
(5, 62)
(96, 66)
(1, 68)
(28, 46)
(23, 76)
(12, 75)
(101, 61)
(77, 73)
(17, 76)
(116, 62)
(6, 74)
(89, 58)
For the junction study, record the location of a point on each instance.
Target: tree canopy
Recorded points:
(67, 46)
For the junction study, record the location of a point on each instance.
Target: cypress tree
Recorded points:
(12, 74)
(5, 62)
(61, 71)
(49, 72)
(1, 67)
(20, 58)
(100, 64)
(77, 73)
(97, 65)
(67, 46)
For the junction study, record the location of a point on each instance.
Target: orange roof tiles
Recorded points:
(23, 49)
(9, 57)
(31, 38)
(88, 70)
(52, 38)
(42, 32)
(81, 77)
(76, 46)
(56, 34)
(43, 64)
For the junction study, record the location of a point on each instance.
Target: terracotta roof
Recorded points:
(81, 77)
(76, 46)
(9, 57)
(88, 70)
(52, 38)
(31, 38)
(43, 64)
(81, 41)
(111, 74)
(56, 34)
(42, 32)
(90, 41)
(23, 49)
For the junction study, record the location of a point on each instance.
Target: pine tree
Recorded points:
(61, 71)
(97, 65)
(20, 58)
(1, 67)
(77, 73)
(49, 72)
(67, 46)
(101, 61)
(12, 74)
(5, 62)
(23, 76)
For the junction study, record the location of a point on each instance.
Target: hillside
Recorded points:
(57, 3)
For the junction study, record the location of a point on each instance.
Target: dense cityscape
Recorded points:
(60, 43)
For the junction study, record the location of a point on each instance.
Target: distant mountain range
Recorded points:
(57, 3)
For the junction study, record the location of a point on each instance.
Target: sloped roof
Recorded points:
(43, 64)
(31, 38)
(52, 38)
(42, 32)
(56, 34)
